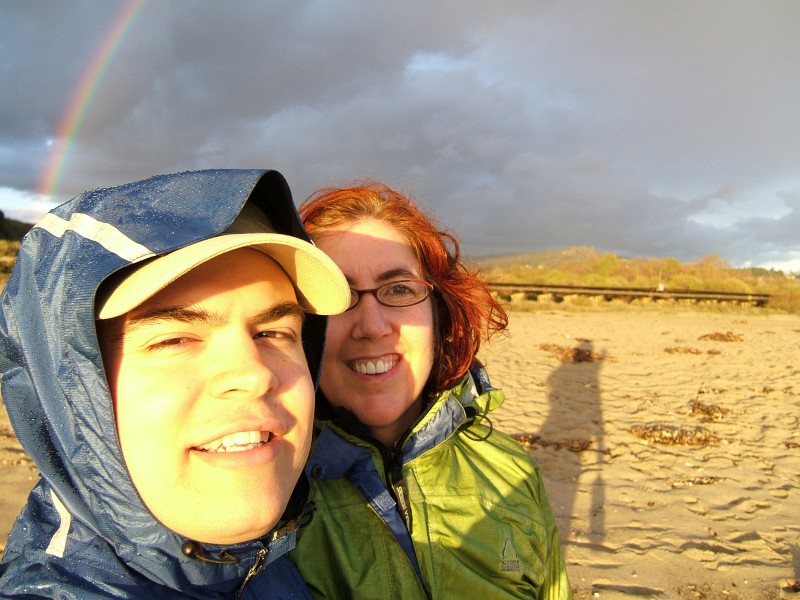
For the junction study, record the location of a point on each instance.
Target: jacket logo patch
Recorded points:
(508, 558)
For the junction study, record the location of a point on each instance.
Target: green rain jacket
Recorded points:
(459, 512)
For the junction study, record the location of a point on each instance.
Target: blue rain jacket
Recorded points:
(84, 532)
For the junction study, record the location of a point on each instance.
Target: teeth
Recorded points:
(237, 442)
(373, 367)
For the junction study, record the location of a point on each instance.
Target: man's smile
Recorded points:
(237, 442)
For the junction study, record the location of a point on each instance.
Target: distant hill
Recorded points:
(585, 266)
(11, 229)
(584, 259)
(548, 259)
(11, 232)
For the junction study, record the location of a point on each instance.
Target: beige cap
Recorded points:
(320, 285)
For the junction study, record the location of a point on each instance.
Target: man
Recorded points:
(159, 366)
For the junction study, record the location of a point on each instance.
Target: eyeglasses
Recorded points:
(396, 294)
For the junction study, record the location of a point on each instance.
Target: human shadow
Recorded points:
(573, 441)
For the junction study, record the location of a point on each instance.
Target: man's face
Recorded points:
(213, 397)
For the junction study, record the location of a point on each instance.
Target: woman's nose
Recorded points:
(371, 318)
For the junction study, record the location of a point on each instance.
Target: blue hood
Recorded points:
(53, 380)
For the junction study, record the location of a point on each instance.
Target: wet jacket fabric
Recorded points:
(84, 532)
(460, 512)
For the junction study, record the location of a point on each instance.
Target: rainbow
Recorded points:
(84, 94)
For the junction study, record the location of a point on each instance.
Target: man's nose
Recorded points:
(238, 370)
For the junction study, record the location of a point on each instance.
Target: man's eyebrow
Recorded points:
(193, 315)
(167, 313)
(280, 311)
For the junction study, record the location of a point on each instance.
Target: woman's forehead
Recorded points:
(370, 249)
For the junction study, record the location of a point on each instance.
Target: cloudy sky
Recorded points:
(648, 129)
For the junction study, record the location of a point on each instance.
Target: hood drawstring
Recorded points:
(473, 415)
(482, 385)
(194, 550)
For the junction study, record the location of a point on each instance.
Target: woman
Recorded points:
(417, 496)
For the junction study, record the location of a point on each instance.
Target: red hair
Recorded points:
(464, 309)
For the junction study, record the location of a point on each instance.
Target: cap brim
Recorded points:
(320, 286)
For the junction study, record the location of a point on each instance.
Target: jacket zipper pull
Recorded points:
(401, 495)
(261, 556)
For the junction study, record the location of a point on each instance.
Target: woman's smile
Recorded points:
(377, 366)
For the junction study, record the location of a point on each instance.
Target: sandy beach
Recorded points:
(668, 440)
(669, 444)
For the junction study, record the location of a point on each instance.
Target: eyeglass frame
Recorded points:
(374, 293)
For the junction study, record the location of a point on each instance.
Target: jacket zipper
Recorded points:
(397, 484)
(261, 557)
(399, 489)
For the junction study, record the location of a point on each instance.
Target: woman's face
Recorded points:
(377, 358)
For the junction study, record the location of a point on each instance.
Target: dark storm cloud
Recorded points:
(651, 129)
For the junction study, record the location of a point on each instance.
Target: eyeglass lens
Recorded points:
(395, 293)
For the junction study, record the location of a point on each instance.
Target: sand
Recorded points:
(672, 459)
(668, 440)
(17, 474)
